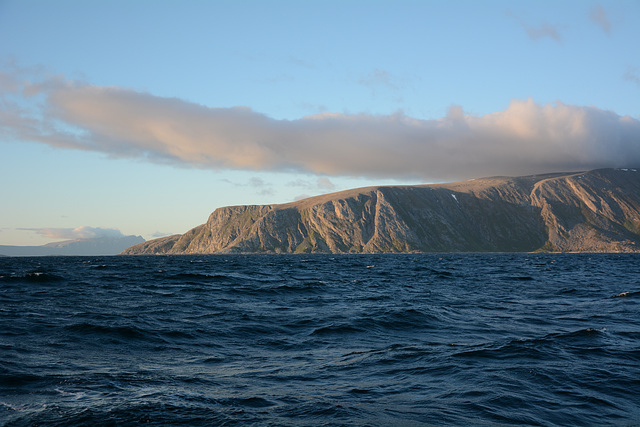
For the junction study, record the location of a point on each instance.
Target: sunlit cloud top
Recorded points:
(524, 138)
(78, 233)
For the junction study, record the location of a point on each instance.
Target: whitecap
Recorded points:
(75, 395)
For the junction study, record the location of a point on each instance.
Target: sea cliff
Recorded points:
(594, 211)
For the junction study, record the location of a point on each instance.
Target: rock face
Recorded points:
(596, 211)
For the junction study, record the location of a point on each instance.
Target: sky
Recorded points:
(143, 117)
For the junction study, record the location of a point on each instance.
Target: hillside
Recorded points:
(87, 247)
(595, 211)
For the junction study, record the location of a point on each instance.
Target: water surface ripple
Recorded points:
(437, 339)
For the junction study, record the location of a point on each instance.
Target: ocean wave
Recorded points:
(32, 277)
(199, 277)
(431, 339)
(15, 377)
(123, 332)
(626, 294)
(337, 329)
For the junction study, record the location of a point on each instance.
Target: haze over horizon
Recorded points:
(143, 117)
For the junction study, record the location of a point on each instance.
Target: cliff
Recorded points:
(595, 211)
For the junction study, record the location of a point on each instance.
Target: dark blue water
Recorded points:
(473, 339)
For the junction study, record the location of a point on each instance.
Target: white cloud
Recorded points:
(524, 138)
(78, 233)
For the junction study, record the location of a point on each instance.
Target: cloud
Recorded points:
(542, 31)
(524, 138)
(158, 234)
(256, 182)
(310, 107)
(599, 16)
(325, 183)
(79, 233)
(631, 75)
(379, 78)
(294, 60)
(321, 183)
(261, 186)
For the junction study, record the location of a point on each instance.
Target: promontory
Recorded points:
(593, 211)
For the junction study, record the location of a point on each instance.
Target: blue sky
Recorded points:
(145, 116)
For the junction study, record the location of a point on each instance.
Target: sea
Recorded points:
(321, 340)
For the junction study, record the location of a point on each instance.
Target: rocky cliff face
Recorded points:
(596, 211)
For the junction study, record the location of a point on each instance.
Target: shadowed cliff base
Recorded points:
(595, 211)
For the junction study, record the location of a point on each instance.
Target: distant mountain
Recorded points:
(90, 247)
(595, 211)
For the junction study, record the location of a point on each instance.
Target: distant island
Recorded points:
(594, 211)
(90, 247)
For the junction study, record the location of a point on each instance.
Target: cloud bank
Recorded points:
(78, 233)
(525, 138)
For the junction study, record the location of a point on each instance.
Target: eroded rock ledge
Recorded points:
(595, 211)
